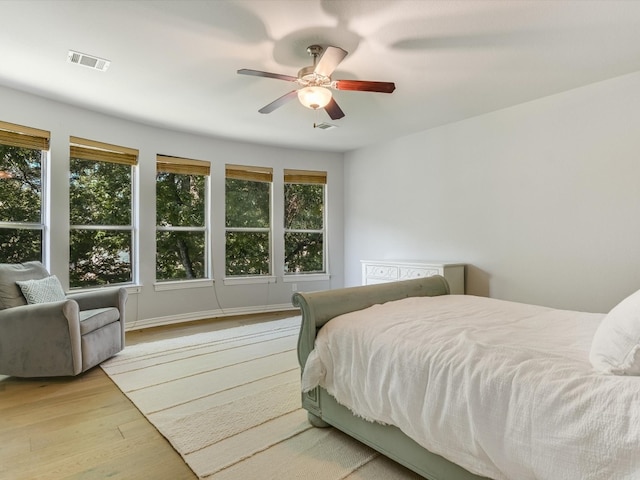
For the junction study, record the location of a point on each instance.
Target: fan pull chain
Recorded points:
(315, 119)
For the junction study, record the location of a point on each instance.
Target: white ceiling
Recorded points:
(174, 63)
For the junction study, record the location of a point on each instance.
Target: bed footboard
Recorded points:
(320, 307)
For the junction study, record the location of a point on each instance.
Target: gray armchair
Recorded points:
(59, 338)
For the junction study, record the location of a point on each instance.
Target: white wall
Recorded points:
(541, 200)
(150, 306)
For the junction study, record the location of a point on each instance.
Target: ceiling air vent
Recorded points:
(324, 126)
(88, 61)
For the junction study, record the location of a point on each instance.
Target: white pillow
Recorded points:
(44, 290)
(615, 348)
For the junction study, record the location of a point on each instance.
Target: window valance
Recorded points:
(305, 176)
(255, 174)
(102, 152)
(184, 166)
(25, 137)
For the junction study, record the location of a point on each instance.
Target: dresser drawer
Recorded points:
(382, 272)
(407, 273)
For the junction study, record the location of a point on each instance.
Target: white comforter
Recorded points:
(503, 389)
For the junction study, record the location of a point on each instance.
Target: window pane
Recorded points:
(19, 245)
(303, 252)
(304, 205)
(180, 255)
(180, 200)
(20, 184)
(247, 253)
(99, 193)
(99, 257)
(247, 204)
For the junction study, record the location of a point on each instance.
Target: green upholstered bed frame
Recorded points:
(320, 307)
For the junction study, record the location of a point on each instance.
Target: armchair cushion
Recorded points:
(91, 320)
(10, 273)
(44, 290)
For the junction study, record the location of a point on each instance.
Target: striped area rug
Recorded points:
(229, 402)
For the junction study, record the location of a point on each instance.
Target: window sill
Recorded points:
(305, 277)
(182, 284)
(249, 280)
(131, 289)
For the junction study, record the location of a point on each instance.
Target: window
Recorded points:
(248, 220)
(22, 156)
(101, 196)
(181, 218)
(304, 198)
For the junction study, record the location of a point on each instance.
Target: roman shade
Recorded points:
(254, 174)
(305, 176)
(184, 166)
(25, 137)
(102, 152)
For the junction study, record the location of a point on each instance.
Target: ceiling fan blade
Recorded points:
(334, 111)
(329, 60)
(287, 97)
(259, 73)
(364, 86)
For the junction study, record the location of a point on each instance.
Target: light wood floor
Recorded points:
(85, 428)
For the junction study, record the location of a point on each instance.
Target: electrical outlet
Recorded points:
(294, 287)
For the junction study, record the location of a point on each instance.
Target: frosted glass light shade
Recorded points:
(314, 97)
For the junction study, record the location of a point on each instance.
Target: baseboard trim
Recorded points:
(194, 316)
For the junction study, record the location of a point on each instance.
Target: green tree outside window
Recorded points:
(101, 237)
(181, 235)
(304, 194)
(248, 221)
(21, 226)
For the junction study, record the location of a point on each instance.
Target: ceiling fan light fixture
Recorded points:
(314, 97)
(315, 81)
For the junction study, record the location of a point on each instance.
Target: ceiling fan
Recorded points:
(315, 82)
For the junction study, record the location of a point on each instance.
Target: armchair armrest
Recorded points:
(40, 340)
(103, 298)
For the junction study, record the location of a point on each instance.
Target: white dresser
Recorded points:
(382, 271)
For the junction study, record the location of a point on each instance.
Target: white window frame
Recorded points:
(190, 167)
(257, 174)
(110, 150)
(35, 139)
(317, 178)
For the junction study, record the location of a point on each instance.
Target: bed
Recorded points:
(457, 387)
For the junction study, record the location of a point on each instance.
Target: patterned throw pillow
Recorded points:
(45, 290)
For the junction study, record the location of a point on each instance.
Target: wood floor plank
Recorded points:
(64, 407)
(19, 391)
(86, 428)
(158, 465)
(109, 456)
